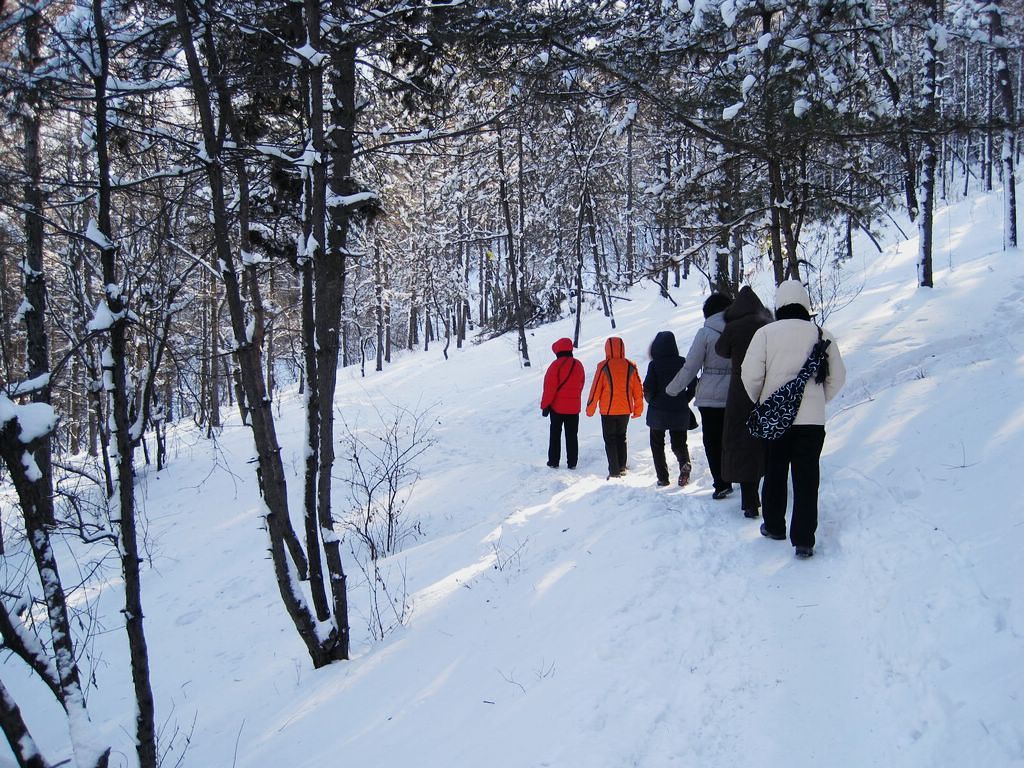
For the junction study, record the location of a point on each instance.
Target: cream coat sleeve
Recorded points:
(754, 367)
(836, 371)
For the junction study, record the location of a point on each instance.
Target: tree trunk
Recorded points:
(1005, 88)
(116, 378)
(330, 294)
(513, 271)
(378, 293)
(387, 316)
(285, 550)
(724, 194)
(928, 145)
(60, 672)
(212, 339)
(18, 737)
(630, 214)
(578, 250)
(967, 109)
(600, 274)
(989, 160)
(37, 359)
(311, 261)
(775, 190)
(906, 154)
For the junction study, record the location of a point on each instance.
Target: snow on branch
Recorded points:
(95, 236)
(310, 54)
(350, 202)
(34, 420)
(627, 120)
(27, 387)
(103, 318)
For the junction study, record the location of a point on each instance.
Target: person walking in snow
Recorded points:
(712, 386)
(665, 413)
(776, 354)
(617, 391)
(560, 401)
(742, 454)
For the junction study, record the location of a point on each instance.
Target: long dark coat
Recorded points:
(742, 455)
(664, 411)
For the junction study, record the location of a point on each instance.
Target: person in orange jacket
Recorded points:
(618, 392)
(563, 387)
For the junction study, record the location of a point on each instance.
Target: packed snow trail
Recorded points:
(559, 619)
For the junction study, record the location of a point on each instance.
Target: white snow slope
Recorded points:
(559, 619)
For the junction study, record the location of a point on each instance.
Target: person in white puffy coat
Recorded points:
(775, 355)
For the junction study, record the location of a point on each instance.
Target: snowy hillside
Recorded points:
(559, 619)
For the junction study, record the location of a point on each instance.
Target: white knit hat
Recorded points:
(792, 292)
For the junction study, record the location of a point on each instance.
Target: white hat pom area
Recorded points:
(792, 292)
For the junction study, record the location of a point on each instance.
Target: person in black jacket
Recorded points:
(666, 413)
(743, 456)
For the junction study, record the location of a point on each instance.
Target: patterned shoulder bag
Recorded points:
(770, 418)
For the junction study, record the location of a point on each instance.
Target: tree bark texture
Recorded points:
(928, 157)
(116, 380)
(285, 550)
(37, 358)
(1004, 86)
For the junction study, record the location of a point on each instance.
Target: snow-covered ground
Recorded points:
(559, 619)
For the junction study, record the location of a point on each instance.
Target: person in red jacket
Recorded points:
(619, 393)
(563, 388)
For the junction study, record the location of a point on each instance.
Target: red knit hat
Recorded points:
(562, 345)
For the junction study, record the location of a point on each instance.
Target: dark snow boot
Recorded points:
(804, 552)
(771, 534)
(684, 473)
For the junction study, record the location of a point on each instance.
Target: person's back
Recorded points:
(775, 356)
(665, 363)
(742, 454)
(563, 380)
(742, 320)
(666, 413)
(712, 387)
(617, 392)
(714, 370)
(560, 401)
(616, 389)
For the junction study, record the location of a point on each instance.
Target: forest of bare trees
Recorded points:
(203, 201)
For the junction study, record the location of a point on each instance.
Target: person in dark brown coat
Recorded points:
(742, 455)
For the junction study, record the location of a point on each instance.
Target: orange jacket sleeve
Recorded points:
(596, 390)
(636, 390)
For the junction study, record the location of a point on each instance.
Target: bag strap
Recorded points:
(572, 367)
(814, 359)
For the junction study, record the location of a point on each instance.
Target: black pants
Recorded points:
(613, 429)
(797, 452)
(711, 421)
(677, 439)
(571, 422)
(749, 498)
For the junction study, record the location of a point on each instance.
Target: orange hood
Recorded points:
(614, 347)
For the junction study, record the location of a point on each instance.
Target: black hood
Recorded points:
(747, 303)
(664, 345)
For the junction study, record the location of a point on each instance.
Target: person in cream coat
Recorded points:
(775, 355)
